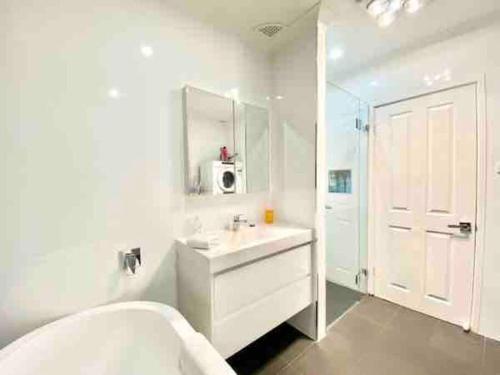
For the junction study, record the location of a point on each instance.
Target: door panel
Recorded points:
(440, 159)
(400, 134)
(400, 273)
(425, 171)
(437, 266)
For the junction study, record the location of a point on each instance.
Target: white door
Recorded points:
(425, 182)
(342, 200)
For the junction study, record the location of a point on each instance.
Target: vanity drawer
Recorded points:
(242, 286)
(248, 324)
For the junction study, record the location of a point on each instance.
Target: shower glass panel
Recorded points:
(346, 202)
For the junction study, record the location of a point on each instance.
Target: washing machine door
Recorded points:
(227, 180)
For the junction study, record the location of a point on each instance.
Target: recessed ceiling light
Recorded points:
(386, 18)
(279, 97)
(412, 6)
(374, 83)
(336, 53)
(377, 7)
(395, 5)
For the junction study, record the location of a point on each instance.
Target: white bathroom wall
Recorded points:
(91, 142)
(468, 58)
(293, 133)
(256, 156)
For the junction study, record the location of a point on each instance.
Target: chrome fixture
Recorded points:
(238, 220)
(464, 227)
(132, 261)
(386, 11)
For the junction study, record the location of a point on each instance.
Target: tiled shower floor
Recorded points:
(339, 299)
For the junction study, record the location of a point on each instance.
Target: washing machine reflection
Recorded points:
(223, 177)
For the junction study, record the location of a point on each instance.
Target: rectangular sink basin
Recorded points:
(249, 244)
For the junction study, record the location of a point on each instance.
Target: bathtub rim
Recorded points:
(179, 324)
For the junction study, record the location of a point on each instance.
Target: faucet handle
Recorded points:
(137, 253)
(240, 218)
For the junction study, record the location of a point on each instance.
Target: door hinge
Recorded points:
(360, 126)
(358, 123)
(362, 273)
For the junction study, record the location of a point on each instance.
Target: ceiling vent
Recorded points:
(270, 29)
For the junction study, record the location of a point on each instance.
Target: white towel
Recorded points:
(203, 241)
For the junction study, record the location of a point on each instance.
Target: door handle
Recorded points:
(328, 207)
(463, 227)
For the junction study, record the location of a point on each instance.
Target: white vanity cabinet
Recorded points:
(255, 280)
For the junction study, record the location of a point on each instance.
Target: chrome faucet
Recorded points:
(132, 260)
(238, 220)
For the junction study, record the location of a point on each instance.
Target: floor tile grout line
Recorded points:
(483, 354)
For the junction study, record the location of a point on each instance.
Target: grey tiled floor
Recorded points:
(339, 299)
(379, 338)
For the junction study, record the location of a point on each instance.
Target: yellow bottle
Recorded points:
(269, 216)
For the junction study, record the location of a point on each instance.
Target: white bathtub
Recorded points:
(132, 338)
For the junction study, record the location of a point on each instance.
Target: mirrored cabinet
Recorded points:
(227, 145)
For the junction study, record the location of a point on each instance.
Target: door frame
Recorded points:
(482, 129)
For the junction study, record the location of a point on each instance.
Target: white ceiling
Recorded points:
(365, 44)
(242, 16)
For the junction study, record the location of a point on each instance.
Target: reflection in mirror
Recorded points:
(209, 129)
(227, 145)
(256, 146)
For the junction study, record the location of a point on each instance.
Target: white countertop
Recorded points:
(248, 244)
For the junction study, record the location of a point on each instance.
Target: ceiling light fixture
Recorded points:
(377, 7)
(386, 19)
(395, 5)
(412, 6)
(386, 11)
